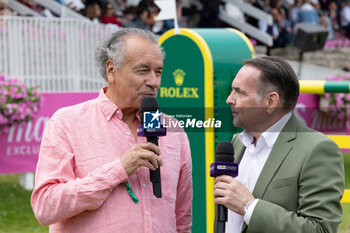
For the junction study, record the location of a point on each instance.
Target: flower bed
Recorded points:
(18, 103)
(336, 104)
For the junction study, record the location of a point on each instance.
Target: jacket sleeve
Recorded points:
(321, 186)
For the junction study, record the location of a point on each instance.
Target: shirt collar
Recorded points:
(269, 136)
(107, 106)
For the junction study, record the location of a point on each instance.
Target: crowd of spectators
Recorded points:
(4, 10)
(334, 15)
(123, 13)
(140, 14)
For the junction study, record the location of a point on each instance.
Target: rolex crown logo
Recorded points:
(179, 76)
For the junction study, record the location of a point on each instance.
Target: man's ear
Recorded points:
(110, 69)
(273, 102)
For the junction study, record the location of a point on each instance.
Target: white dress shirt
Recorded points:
(250, 168)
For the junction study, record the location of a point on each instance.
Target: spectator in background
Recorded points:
(146, 4)
(129, 17)
(326, 23)
(186, 10)
(324, 4)
(191, 12)
(281, 30)
(153, 11)
(108, 15)
(210, 14)
(119, 7)
(278, 5)
(141, 18)
(334, 15)
(308, 13)
(135, 17)
(132, 2)
(93, 12)
(262, 5)
(4, 10)
(345, 17)
(293, 13)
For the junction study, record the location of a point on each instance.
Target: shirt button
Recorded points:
(127, 133)
(118, 111)
(147, 213)
(144, 185)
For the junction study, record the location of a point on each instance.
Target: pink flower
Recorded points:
(341, 115)
(18, 102)
(347, 97)
(339, 103)
(13, 81)
(3, 120)
(2, 100)
(13, 90)
(6, 129)
(2, 77)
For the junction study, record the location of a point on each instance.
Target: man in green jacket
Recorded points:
(291, 178)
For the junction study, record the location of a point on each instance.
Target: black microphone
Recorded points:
(148, 106)
(223, 165)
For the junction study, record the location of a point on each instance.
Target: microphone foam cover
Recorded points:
(148, 103)
(224, 152)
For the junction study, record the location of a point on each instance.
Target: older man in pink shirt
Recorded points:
(90, 150)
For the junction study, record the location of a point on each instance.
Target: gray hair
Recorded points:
(113, 47)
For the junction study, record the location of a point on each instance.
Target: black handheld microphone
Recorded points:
(147, 106)
(223, 165)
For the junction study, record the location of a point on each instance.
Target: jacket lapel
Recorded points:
(278, 153)
(239, 148)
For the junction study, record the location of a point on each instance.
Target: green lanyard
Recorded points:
(131, 193)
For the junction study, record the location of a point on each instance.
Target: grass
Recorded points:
(16, 215)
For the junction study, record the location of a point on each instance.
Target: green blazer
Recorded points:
(300, 185)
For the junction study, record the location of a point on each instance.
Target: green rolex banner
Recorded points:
(199, 67)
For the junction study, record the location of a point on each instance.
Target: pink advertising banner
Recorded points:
(308, 112)
(20, 147)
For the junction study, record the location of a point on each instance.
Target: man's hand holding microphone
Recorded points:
(228, 191)
(141, 155)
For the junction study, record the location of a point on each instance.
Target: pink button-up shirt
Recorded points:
(79, 183)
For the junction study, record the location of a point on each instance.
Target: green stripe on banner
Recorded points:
(337, 87)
